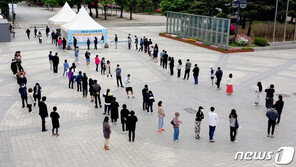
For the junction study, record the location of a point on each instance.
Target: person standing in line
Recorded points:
(97, 62)
(23, 93)
(279, 105)
(269, 96)
(195, 74)
(22, 80)
(73, 67)
(115, 41)
(106, 132)
(84, 85)
(55, 121)
(128, 86)
(198, 119)
(13, 67)
(47, 30)
(76, 53)
(108, 99)
(233, 125)
(28, 33)
(129, 42)
(40, 37)
(136, 42)
(161, 57)
(64, 41)
(213, 120)
(60, 43)
(75, 43)
(91, 90)
(146, 44)
(149, 44)
(66, 67)
(114, 110)
(71, 78)
(52, 37)
(87, 58)
(102, 41)
(219, 74)
(108, 69)
(37, 93)
(145, 97)
(78, 81)
(176, 123)
(150, 98)
(258, 91)
(131, 126)
(172, 65)
(272, 115)
(88, 43)
(43, 112)
(55, 62)
(161, 115)
(229, 85)
(123, 117)
(165, 60)
(118, 76)
(179, 67)
(96, 43)
(103, 66)
(141, 45)
(35, 32)
(97, 91)
(56, 39)
(50, 59)
(187, 69)
(212, 75)
(30, 99)
(155, 53)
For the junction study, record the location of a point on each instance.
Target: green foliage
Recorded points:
(51, 3)
(144, 3)
(206, 44)
(260, 41)
(222, 15)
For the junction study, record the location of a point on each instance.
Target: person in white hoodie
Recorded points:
(213, 120)
(30, 99)
(128, 86)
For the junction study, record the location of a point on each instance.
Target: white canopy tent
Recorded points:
(83, 27)
(65, 15)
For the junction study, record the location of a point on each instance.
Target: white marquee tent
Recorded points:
(65, 15)
(83, 27)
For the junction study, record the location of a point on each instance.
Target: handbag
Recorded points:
(172, 122)
(236, 124)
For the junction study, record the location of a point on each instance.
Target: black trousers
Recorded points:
(279, 118)
(123, 125)
(172, 70)
(70, 83)
(218, 82)
(118, 79)
(187, 71)
(129, 46)
(165, 64)
(57, 131)
(87, 46)
(179, 73)
(268, 102)
(107, 109)
(232, 133)
(84, 91)
(97, 96)
(64, 47)
(145, 104)
(271, 124)
(150, 106)
(24, 99)
(43, 123)
(79, 86)
(141, 48)
(55, 68)
(96, 46)
(38, 99)
(75, 46)
(30, 107)
(136, 46)
(97, 67)
(28, 35)
(131, 134)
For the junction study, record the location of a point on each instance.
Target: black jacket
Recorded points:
(55, 59)
(114, 110)
(279, 105)
(144, 93)
(37, 93)
(43, 109)
(55, 119)
(124, 114)
(199, 116)
(269, 92)
(131, 122)
(195, 72)
(219, 74)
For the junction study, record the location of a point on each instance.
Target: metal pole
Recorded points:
(237, 21)
(285, 30)
(274, 23)
(294, 34)
(12, 11)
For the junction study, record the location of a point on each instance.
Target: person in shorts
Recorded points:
(128, 86)
(87, 58)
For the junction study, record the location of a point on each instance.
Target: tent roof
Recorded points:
(65, 15)
(82, 22)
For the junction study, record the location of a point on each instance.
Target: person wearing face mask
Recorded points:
(198, 119)
(23, 93)
(37, 93)
(22, 80)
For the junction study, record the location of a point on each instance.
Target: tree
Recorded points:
(131, 4)
(105, 4)
(156, 3)
(121, 3)
(51, 3)
(144, 3)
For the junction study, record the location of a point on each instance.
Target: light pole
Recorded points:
(285, 30)
(274, 24)
(239, 4)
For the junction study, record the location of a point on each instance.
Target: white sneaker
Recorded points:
(123, 132)
(148, 113)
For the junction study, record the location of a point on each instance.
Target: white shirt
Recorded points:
(128, 82)
(179, 67)
(213, 118)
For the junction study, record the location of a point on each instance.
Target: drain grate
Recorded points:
(294, 93)
(190, 110)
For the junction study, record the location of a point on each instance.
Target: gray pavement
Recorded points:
(81, 140)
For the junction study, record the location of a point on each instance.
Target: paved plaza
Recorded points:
(81, 139)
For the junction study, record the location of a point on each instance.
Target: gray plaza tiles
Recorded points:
(81, 139)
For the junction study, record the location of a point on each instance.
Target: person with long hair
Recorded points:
(108, 69)
(106, 132)
(108, 99)
(233, 123)
(212, 75)
(37, 93)
(91, 89)
(84, 85)
(103, 66)
(229, 85)
(179, 67)
(269, 96)
(172, 64)
(258, 92)
(161, 115)
(198, 119)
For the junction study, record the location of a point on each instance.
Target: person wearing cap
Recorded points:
(55, 121)
(198, 119)
(272, 115)
(269, 96)
(233, 123)
(213, 120)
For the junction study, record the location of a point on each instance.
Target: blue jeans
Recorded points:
(160, 122)
(195, 80)
(65, 72)
(176, 133)
(211, 132)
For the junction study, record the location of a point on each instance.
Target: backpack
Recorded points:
(172, 122)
